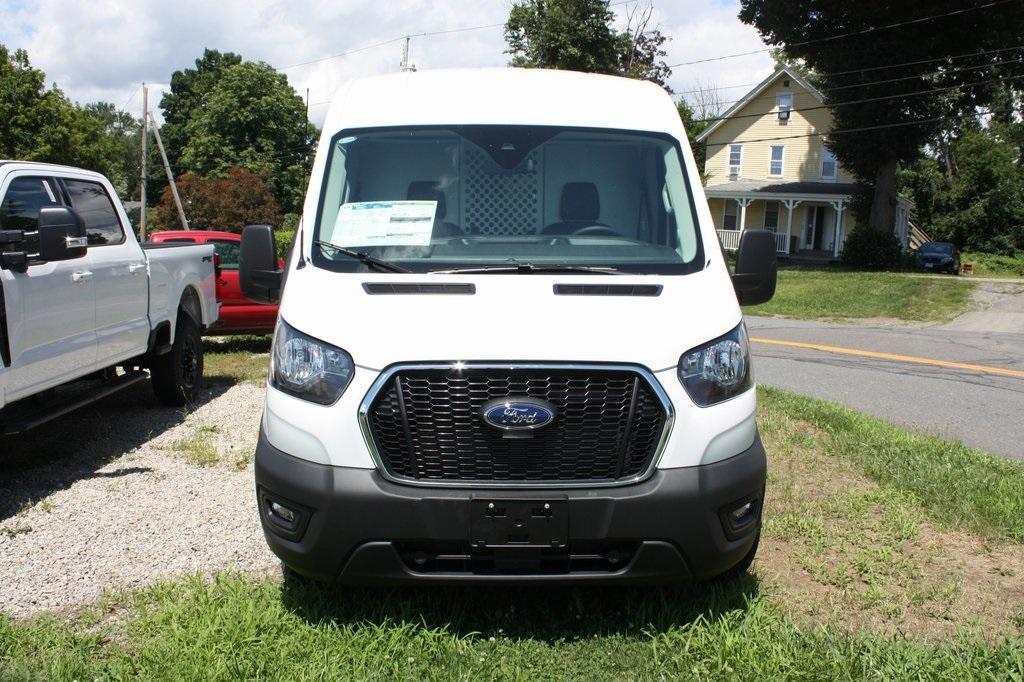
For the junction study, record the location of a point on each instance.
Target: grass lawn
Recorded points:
(991, 265)
(837, 294)
(885, 555)
(235, 359)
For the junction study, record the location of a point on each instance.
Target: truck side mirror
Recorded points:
(61, 234)
(756, 267)
(258, 271)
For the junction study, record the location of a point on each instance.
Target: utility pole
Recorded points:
(307, 104)
(406, 66)
(142, 166)
(170, 176)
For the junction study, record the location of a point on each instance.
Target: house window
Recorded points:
(784, 102)
(828, 164)
(730, 217)
(771, 216)
(775, 165)
(735, 159)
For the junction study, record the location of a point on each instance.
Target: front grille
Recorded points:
(426, 425)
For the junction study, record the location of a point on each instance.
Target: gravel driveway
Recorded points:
(123, 493)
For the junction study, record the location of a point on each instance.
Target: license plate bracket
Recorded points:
(542, 522)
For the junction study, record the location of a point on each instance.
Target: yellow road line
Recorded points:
(1018, 374)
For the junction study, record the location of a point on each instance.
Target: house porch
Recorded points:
(810, 220)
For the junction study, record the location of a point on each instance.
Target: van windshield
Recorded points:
(534, 198)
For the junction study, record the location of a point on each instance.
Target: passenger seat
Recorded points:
(429, 190)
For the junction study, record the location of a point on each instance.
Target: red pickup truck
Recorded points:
(238, 315)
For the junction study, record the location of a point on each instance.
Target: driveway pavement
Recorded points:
(980, 407)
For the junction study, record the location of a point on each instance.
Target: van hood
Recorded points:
(511, 317)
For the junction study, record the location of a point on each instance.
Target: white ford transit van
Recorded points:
(509, 347)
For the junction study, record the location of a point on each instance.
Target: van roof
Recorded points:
(503, 96)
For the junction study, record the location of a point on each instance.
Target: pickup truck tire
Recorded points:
(178, 373)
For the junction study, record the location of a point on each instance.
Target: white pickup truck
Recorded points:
(83, 306)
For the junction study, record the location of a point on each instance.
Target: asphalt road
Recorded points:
(982, 409)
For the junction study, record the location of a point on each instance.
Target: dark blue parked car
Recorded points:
(939, 256)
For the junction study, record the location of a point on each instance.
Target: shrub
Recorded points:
(869, 250)
(229, 203)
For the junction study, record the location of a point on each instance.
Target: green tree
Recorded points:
(983, 209)
(694, 126)
(42, 124)
(228, 112)
(578, 35)
(122, 137)
(846, 70)
(187, 96)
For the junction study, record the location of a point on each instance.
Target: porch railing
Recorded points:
(731, 240)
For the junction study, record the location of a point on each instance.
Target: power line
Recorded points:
(865, 69)
(423, 34)
(882, 126)
(866, 100)
(124, 107)
(846, 35)
(891, 80)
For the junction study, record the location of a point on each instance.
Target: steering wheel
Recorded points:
(596, 230)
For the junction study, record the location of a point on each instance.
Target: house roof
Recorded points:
(747, 187)
(758, 89)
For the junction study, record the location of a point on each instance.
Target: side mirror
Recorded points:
(257, 265)
(756, 267)
(61, 234)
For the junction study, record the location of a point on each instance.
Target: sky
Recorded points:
(104, 49)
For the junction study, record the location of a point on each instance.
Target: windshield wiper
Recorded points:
(365, 258)
(531, 269)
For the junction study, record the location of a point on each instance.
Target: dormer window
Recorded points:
(828, 164)
(735, 160)
(784, 103)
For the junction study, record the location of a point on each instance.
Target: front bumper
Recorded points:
(358, 527)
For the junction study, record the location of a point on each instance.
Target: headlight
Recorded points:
(717, 370)
(307, 368)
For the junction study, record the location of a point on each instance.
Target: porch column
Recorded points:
(839, 207)
(790, 205)
(743, 202)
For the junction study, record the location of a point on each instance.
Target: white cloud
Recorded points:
(104, 48)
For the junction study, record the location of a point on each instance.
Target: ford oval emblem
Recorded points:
(517, 414)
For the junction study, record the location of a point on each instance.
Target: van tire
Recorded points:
(178, 374)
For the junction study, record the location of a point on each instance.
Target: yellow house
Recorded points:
(768, 168)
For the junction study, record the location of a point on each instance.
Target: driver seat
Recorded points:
(580, 207)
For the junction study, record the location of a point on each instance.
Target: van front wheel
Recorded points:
(177, 374)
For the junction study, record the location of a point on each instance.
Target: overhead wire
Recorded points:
(867, 100)
(938, 72)
(848, 34)
(843, 131)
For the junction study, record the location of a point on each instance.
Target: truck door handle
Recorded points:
(135, 267)
(81, 276)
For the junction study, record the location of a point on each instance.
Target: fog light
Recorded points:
(283, 513)
(739, 514)
(283, 517)
(740, 517)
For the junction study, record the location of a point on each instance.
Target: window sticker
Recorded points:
(384, 223)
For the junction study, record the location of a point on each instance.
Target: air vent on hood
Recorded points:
(607, 289)
(413, 288)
